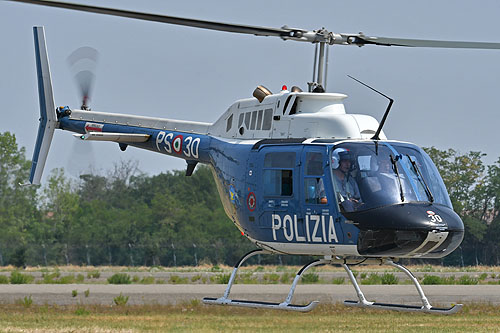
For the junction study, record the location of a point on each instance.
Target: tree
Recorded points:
(464, 178)
(17, 203)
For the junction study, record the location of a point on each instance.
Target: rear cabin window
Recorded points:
(240, 120)
(314, 184)
(229, 123)
(259, 120)
(247, 119)
(278, 174)
(268, 118)
(254, 119)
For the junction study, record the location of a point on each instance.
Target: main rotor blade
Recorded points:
(228, 27)
(361, 40)
(286, 33)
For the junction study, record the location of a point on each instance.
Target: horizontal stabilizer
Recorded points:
(114, 137)
(48, 118)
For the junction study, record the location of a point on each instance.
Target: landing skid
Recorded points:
(362, 302)
(261, 305)
(285, 305)
(426, 306)
(402, 307)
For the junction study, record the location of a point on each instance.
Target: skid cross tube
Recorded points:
(285, 305)
(426, 306)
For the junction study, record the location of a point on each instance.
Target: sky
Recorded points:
(447, 98)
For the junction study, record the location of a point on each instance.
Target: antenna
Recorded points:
(382, 122)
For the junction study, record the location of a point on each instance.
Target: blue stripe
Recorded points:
(407, 172)
(43, 110)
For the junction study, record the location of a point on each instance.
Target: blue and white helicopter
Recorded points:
(295, 173)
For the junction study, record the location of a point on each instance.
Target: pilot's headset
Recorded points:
(341, 154)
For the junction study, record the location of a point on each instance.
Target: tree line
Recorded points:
(125, 217)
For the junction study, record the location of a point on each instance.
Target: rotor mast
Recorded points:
(320, 68)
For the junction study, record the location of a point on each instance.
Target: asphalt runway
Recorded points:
(53, 294)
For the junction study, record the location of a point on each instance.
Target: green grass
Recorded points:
(310, 278)
(19, 278)
(119, 278)
(389, 278)
(195, 317)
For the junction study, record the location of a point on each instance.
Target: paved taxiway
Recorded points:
(175, 294)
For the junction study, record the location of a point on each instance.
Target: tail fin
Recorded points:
(48, 118)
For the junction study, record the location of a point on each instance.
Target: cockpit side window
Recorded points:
(369, 175)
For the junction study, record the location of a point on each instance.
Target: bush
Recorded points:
(119, 278)
(18, 278)
(271, 278)
(50, 277)
(81, 311)
(246, 278)
(175, 279)
(67, 279)
(466, 279)
(432, 279)
(222, 278)
(4, 279)
(483, 276)
(310, 278)
(286, 277)
(372, 279)
(93, 275)
(389, 278)
(120, 300)
(74, 293)
(449, 280)
(80, 278)
(27, 301)
(339, 280)
(147, 280)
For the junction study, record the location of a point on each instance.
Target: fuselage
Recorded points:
(276, 168)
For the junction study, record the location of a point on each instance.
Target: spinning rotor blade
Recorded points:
(236, 28)
(286, 33)
(83, 62)
(361, 40)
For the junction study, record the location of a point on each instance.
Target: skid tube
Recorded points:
(362, 301)
(285, 305)
(426, 306)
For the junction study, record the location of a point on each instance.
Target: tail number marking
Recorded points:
(191, 145)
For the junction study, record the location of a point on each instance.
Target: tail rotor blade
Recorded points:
(83, 62)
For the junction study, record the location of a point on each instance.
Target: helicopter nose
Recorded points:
(408, 230)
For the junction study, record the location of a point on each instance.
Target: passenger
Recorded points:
(321, 192)
(345, 186)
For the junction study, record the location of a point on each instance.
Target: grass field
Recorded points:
(197, 317)
(204, 274)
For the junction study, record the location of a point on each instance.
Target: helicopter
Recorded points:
(296, 174)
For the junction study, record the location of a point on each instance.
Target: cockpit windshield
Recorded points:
(368, 175)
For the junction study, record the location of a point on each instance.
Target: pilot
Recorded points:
(345, 186)
(384, 166)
